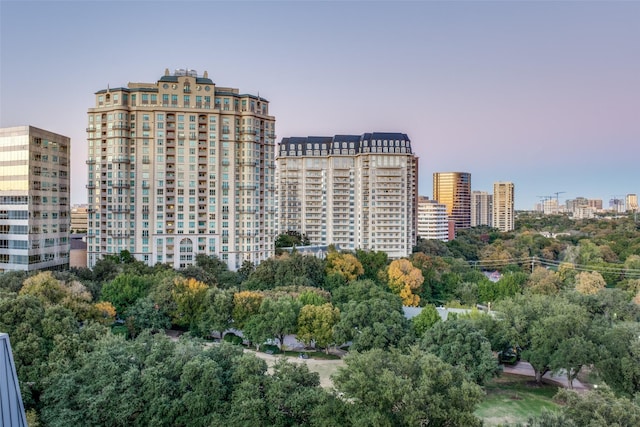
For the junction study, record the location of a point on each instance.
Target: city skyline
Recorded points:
(544, 95)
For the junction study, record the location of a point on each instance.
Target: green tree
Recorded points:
(426, 319)
(280, 317)
(599, 408)
(510, 284)
(11, 281)
(543, 326)
(389, 388)
(218, 313)
(374, 323)
(619, 362)
(145, 314)
(291, 239)
(218, 270)
(361, 290)
(124, 290)
(372, 263)
(312, 298)
(459, 343)
(315, 324)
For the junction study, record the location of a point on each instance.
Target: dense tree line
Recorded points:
(579, 311)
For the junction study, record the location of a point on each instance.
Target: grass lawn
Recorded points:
(513, 399)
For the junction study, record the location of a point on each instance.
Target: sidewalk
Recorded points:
(525, 369)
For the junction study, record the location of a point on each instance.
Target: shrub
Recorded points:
(232, 338)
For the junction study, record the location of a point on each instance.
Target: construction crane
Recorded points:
(558, 193)
(544, 200)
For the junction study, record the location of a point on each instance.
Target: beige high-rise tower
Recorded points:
(353, 191)
(181, 167)
(481, 208)
(453, 189)
(503, 202)
(34, 199)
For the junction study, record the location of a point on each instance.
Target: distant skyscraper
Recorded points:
(595, 204)
(503, 206)
(632, 202)
(354, 191)
(181, 167)
(481, 208)
(433, 222)
(453, 189)
(34, 199)
(617, 205)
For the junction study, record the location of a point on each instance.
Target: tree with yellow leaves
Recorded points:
(189, 295)
(105, 312)
(346, 265)
(245, 305)
(405, 280)
(590, 283)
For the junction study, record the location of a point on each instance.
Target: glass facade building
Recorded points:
(34, 199)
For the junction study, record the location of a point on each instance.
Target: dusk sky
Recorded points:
(543, 94)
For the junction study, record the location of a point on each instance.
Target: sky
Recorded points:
(543, 94)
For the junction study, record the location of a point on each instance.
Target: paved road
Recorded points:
(524, 368)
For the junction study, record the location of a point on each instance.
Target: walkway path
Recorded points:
(525, 369)
(325, 368)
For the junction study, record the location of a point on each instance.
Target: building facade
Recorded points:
(34, 199)
(632, 202)
(433, 222)
(79, 219)
(503, 206)
(453, 189)
(481, 208)
(353, 191)
(181, 167)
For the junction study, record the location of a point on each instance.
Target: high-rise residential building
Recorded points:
(617, 205)
(433, 223)
(503, 206)
(481, 208)
(578, 202)
(79, 219)
(453, 189)
(632, 202)
(181, 167)
(595, 204)
(354, 191)
(34, 199)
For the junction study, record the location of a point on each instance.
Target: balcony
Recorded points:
(119, 209)
(121, 160)
(121, 184)
(91, 162)
(119, 234)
